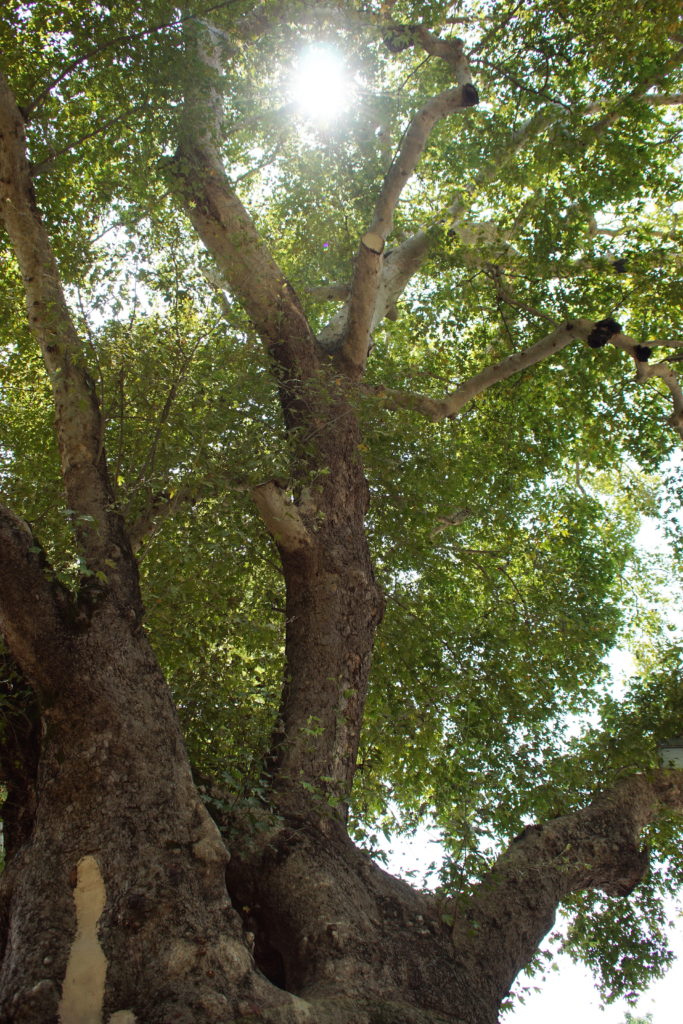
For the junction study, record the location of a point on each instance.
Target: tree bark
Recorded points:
(19, 755)
(330, 925)
(97, 524)
(333, 608)
(333, 605)
(121, 849)
(114, 904)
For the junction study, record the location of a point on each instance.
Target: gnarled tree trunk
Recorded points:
(118, 899)
(115, 904)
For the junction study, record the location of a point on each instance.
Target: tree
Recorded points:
(244, 464)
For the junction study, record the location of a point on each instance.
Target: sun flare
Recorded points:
(321, 85)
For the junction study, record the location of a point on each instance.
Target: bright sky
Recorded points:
(571, 992)
(321, 85)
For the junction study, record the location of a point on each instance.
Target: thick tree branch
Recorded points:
(80, 429)
(333, 603)
(674, 99)
(452, 404)
(518, 361)
(229, 234)
(653, 99)
(398, 267)
(367, 272)
(330, 292)
(402, 263)
(225, 227)
(501, 926)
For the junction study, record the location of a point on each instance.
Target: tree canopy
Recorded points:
(519, 414)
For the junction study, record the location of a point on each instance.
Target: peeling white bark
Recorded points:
(646, 371)
(367, 274)
(281, 517)
(80, 428)
(452, 404)
(86, 970)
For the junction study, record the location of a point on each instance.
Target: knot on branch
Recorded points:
(602, 332)
(281, 517)
(630, 868)
(374, 242)
(399, 38)
(470, 96)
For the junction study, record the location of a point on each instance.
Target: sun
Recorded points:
(322, 87)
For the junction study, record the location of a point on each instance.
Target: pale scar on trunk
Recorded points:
(86, 969)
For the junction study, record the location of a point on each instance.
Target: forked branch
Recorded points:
(367, 272)
(410, 255)
(596, 334)
(452, 404)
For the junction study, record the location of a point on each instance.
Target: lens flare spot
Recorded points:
(322, 87)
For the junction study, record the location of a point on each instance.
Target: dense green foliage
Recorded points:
(491, 702)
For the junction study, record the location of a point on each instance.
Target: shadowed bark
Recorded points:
(19, 755)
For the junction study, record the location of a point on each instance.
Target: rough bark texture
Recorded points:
(78, 421)
(333, 609)
(331, 926)
(333, 604)
(19, 755)
(114, 784)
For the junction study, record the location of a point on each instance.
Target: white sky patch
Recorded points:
(321, 85)
(415, 857)
(570, 992)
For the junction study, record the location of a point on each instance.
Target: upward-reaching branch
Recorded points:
(403, 262)
(367, 273)
(596, 334)
(452, 404)
(78, 420)
(224, 225)
(333, 604)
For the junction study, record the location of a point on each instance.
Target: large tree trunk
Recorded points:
(338, 931)
(332, 612)
(118, 901)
